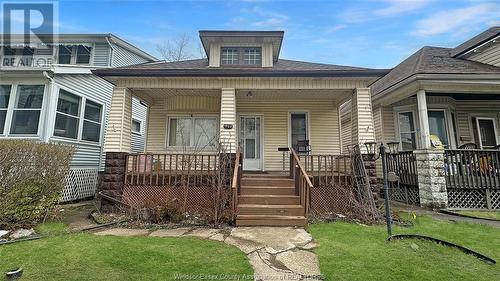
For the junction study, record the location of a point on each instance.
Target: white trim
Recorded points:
(289, 125)
(397, 127)
(479, 117)
(446, 124)
(139, 133)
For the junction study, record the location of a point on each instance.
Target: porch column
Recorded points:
(425, 135)
(361, 118)
(117, 144)
(431, 178)
(228, 120)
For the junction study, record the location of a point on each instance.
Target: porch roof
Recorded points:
(430, 60)
(200, 68)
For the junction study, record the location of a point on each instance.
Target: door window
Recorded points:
(250, 136)
(298, 128)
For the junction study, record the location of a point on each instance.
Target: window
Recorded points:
(27, 109)
(407, 131)
(192, 131)
(136, 126)
(92, 122)
(83, 54)
(484, 132)
(229, 56)
(437, 126)
(67, 115)
(4, 104)
(298, 129)
(65, 54)
(17, 56)
(252, 56)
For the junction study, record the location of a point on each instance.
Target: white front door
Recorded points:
(250, 142)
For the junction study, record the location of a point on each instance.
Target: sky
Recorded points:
(368, 33)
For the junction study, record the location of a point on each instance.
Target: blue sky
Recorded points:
(360, 33)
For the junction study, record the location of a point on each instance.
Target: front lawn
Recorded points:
(349, 251)
(85, 256)
(482, 214)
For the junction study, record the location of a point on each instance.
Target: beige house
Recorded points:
(446, 98)
(244, 95)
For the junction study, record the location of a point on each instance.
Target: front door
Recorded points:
(250, 142)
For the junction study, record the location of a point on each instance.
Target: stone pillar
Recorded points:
(431, 178)
(425, 135)
(361, 118)
(371, 170)
(114, 177)
(228, 120)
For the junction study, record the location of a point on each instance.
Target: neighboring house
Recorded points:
(48, 93)
(244, 95)
(451, 96)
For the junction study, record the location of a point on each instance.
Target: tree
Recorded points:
(177, 49)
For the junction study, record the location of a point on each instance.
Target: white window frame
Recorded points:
(308, 125)
(74, 53)
(415, 125)
(495, 128)
(140, 126)
(12, 103)
(448, 125)
(191, 137)
(81, 115)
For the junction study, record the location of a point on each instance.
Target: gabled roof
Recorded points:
(281, 68)
(475, 41)
(431, 60)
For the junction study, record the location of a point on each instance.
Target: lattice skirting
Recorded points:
(473, 198)
(80, 183)
(404, 193)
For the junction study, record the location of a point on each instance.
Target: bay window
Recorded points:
(437, 126)
(192, 131)
(92, 122)
(407, 131)
(27, 109)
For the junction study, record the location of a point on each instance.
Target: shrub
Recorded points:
(32, 178)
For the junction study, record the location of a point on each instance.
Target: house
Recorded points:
(49, 94)
(444, 98)
(246, 98)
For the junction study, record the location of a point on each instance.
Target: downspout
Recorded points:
(112, 50)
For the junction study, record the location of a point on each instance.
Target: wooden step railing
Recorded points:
(302, 181)
(327, 169)
(236, 180)
(472, 168)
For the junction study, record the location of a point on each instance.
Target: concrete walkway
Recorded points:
(275, 253)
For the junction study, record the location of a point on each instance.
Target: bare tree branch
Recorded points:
(176, 49)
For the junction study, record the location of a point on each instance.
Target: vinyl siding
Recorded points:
(139, 112)
(118, 139)
(362, 117)
(490, 56)
(122, 57)
(323, 120)
(95, 89)
(345, 125)
(465, 110)
(101, 54)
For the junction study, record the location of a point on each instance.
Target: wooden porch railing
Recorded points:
(236, 180)
(302, 181)
(171, 169)
(472, 168)
(404, 164)
(326, 169)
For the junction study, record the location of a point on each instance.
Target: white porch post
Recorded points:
(361, 117)
(228, 120)
(120, 122)
(425, 135)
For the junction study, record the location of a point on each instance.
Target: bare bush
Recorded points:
(32, 178)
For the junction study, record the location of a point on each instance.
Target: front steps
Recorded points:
(266, 200)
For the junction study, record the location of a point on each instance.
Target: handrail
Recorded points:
(236, 169)
(235, 185)
(303, 184)
(301, 168)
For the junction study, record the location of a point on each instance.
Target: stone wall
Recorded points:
(114, 176)
(431, 178)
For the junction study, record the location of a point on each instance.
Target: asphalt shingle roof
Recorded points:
(431, 60)
(476, 40)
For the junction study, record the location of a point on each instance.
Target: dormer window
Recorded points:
(231, 56)
(74, 54)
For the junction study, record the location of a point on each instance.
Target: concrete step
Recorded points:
(281, 182)
(269, 199)
(267, 190)
(266, 220)
(273, 210)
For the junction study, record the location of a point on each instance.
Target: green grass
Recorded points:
(85, 256)
(350, 251)
(52, 228)
(482, 214)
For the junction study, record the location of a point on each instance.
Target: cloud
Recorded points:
(458, 20)
(335, 28)
(396, 7)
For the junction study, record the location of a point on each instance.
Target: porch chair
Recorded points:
(303, 147)
(469, 145)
